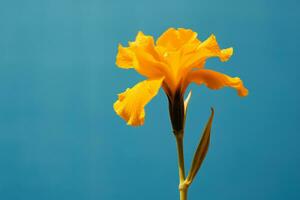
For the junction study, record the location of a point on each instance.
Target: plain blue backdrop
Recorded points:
(60, 138)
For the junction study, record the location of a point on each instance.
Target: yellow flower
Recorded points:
(173, 62)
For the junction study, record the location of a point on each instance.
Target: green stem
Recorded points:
(182, 186)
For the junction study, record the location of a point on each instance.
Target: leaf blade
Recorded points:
(201, 150)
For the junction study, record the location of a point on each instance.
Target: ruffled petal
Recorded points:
(142, 56)
(207, 49)
(210, 48)
(130, 104)
(173, 40)
(146, 65)
(125, 57)
(215, 80)
(144, 43)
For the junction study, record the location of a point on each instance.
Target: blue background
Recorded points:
(60, 138)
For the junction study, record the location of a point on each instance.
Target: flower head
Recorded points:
(174, 61)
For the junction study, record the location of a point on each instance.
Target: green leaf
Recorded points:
(201, 150)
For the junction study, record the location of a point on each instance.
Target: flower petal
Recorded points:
(142, 56)
(207, 49)
(131, 103)
(215, 80)
(146, 65)
(173, 40)
(210, 48)
(145, 43)
(125, 57)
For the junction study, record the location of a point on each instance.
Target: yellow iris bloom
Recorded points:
(174, 61)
